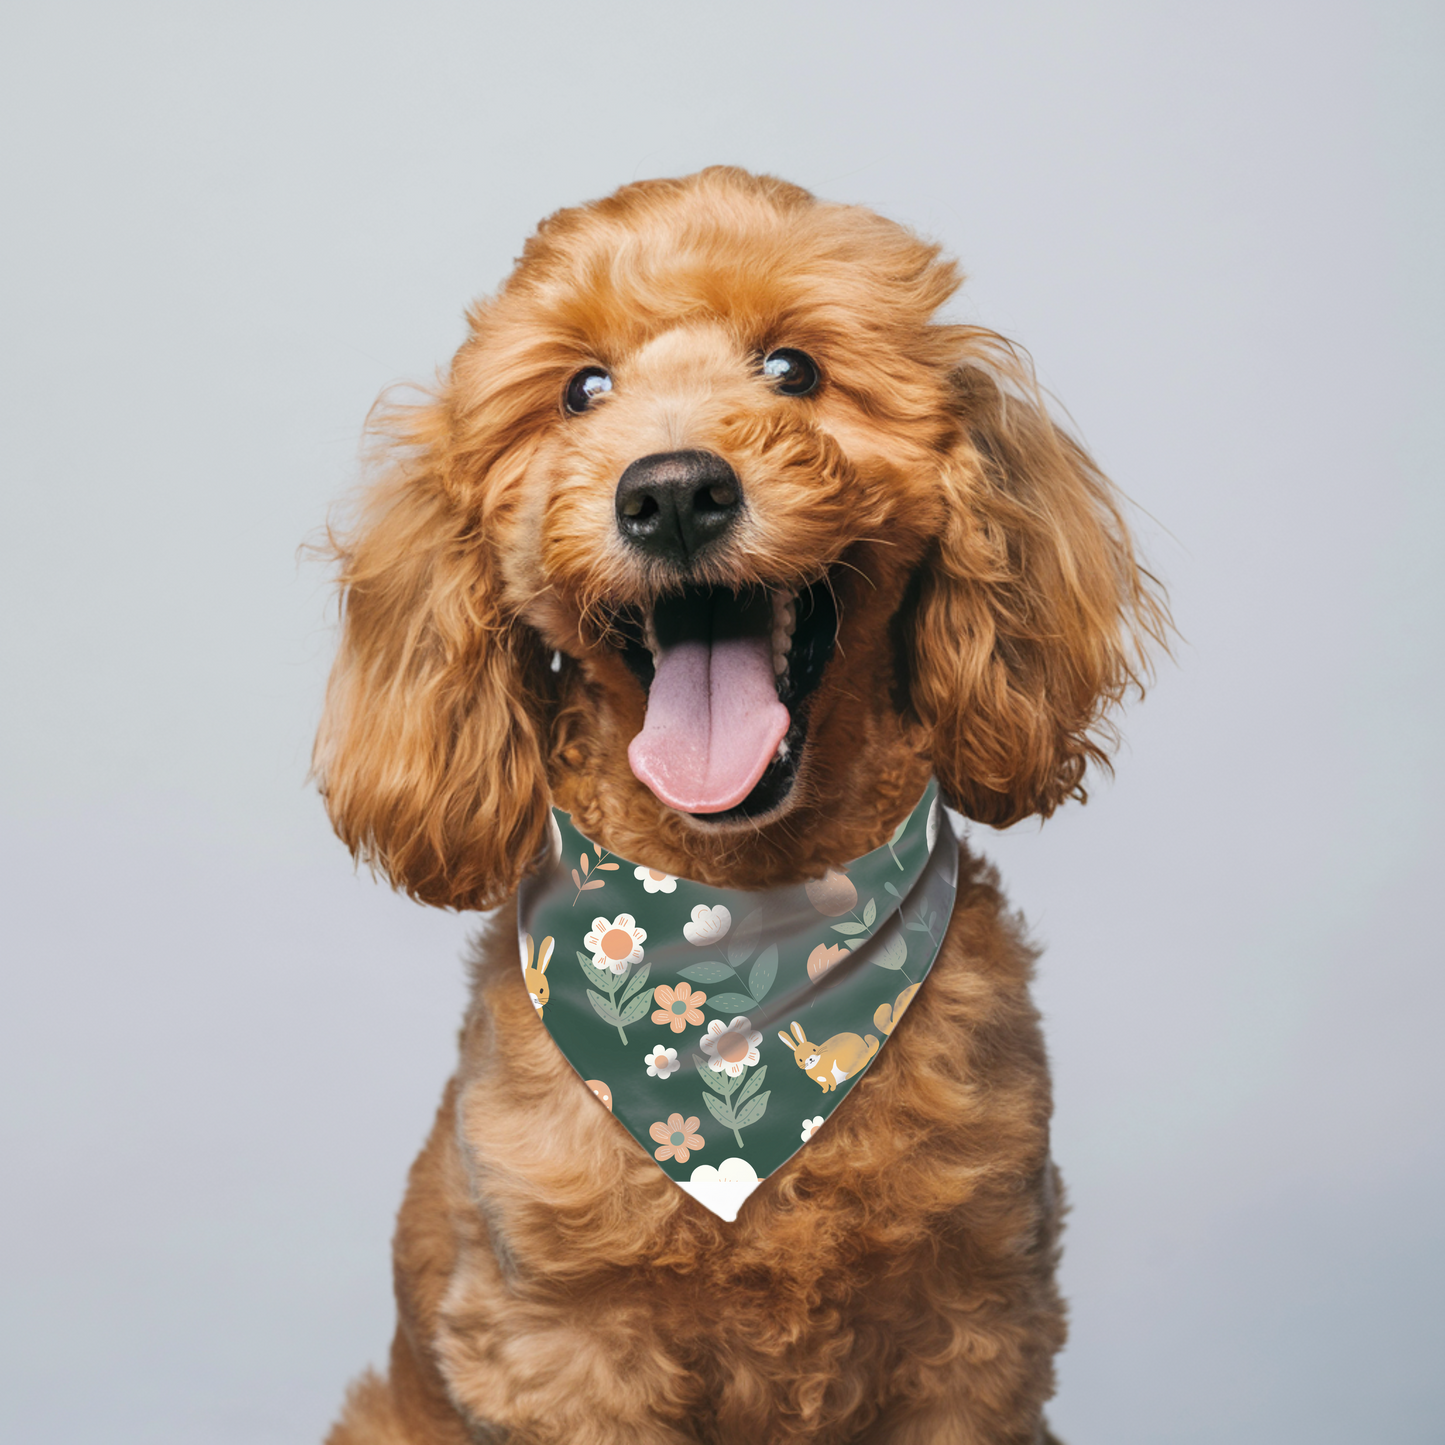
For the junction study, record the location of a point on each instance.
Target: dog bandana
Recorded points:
(723, 1027)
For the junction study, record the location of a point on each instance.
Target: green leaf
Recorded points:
(889, 888)
(892, 950)
(721, 1112)
(730, 1003)
(636, 981)
(755, 1079)
(901, 829)
(636, 1008)
(745, 938)
(850, 927)
(917, 928)
(764, 971)
(604, 1008)
(870, 912)
(711, 1079)
(752, 1111)
(706, 972)
(601, 978)
(854, 942)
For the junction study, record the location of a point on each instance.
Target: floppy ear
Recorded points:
(1032, 613)
(431, 749)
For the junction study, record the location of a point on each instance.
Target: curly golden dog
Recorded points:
(692, 394)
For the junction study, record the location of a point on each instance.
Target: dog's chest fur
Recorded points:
(550, 1268)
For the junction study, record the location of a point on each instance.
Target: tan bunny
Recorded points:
(839, 1058)
(536, 977)
(885, 1018)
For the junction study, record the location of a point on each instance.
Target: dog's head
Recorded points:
(713, 532)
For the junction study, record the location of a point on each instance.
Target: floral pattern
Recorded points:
(677, 1138)
(707, 925)
(824, 957)
(731, 1048)
(758, 961)
(615, 945)
(678, 1006)
(832, 894)
(662, 1063)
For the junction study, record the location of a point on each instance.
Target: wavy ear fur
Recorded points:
(431, 747)
(1033, 612)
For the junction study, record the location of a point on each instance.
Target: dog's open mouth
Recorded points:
(729, 676)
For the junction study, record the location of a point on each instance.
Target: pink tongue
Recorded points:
(713, 723)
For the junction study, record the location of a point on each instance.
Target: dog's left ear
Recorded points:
(431, 748)
(1031, 616)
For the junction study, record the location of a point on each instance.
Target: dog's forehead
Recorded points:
(618, 277)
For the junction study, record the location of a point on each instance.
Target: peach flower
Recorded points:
(616, 945)
(832, 894)
(678, 1007)
(824, 957)
(676, 1138)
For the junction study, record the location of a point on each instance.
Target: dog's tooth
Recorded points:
(780, 662)
(782, 751)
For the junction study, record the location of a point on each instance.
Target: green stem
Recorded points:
(738, 1137)
(612, 999)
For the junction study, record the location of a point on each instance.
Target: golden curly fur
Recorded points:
(895, 1281)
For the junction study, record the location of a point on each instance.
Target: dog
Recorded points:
(690, 395)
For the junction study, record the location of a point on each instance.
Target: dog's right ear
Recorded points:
(431, 749)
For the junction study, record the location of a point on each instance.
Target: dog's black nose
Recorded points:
(673, 504)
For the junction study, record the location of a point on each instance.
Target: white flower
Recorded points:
(730, 1047)
(616, 945)
(731, 1171)
(708, 924)
(662, 1063)
(811, 1127)
(654, 881)
(931, 827)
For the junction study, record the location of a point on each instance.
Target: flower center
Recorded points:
(655, 875)
(678, 1007)
(676, 1139)
(617, 943)
(733, 1047)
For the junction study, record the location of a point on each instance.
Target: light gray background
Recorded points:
(227, 229)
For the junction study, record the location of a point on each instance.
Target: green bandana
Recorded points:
(723, 1027)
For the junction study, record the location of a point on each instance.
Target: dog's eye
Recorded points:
(795, 372)
(585, 388)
